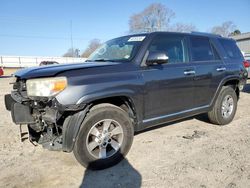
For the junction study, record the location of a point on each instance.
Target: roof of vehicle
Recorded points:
(194, 33)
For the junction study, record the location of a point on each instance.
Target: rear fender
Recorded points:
(223, 82)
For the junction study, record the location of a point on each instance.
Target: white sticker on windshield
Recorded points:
(138, 38)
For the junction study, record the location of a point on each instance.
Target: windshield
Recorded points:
(120, 49)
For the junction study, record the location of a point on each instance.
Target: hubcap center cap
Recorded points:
(103, 139)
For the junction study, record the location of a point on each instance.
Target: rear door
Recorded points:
(210, 69)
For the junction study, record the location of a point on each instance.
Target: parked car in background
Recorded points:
(247, 63)
(1, 71)
(48, 63)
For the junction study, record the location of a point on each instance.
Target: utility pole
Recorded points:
(71, 38)
(77, 53)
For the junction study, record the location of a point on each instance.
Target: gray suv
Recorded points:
(129, 84)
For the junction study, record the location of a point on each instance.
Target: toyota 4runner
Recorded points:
(128, 84)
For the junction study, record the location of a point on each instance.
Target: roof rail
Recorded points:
(205, 34)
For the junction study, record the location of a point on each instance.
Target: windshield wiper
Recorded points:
(101, 60)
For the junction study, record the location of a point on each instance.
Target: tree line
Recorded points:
(157, 17)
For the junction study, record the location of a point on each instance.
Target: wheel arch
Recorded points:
(72, 123)
(232, 81)
(122, 101)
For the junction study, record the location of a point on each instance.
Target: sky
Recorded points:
(42, 28)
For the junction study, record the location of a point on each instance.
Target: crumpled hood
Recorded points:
(52, 70)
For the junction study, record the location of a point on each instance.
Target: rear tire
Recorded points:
(104, 138)
(225, 107)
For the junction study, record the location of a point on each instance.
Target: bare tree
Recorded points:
(72, 53)
(93, 45)
(181, 27)
(225, 29)
(156, 17)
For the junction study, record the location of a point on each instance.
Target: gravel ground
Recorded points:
(188, 153)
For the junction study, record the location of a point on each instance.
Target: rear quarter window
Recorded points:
(231, 49)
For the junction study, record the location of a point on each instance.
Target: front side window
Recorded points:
(201, 49)
(174, 47)
(121, 49)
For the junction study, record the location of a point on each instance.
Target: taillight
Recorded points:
(246, 64)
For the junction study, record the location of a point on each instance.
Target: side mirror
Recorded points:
(157, 58)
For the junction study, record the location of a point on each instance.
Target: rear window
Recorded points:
(231, 49)
(201, 49)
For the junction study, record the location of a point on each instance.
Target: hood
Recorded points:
(53, 70)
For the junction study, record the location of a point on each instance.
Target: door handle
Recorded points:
(191, 72)
(220, 69)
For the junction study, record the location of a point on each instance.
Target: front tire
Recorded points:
(225, 107)
(104, 138)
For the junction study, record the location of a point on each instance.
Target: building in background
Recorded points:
(243, 41)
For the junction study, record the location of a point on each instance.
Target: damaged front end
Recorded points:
(44, 117)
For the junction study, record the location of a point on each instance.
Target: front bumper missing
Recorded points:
(46, 121)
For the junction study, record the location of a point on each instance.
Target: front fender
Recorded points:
(71, 127)
(72, 123)
(96, 96)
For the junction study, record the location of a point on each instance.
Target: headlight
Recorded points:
(46, 87)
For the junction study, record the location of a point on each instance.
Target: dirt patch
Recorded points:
(196, 134)
(188, 153)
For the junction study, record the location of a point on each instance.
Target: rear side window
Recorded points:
(231, 49)
(173, 45)
(201, 49)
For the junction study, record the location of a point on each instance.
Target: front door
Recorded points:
(169, 88)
